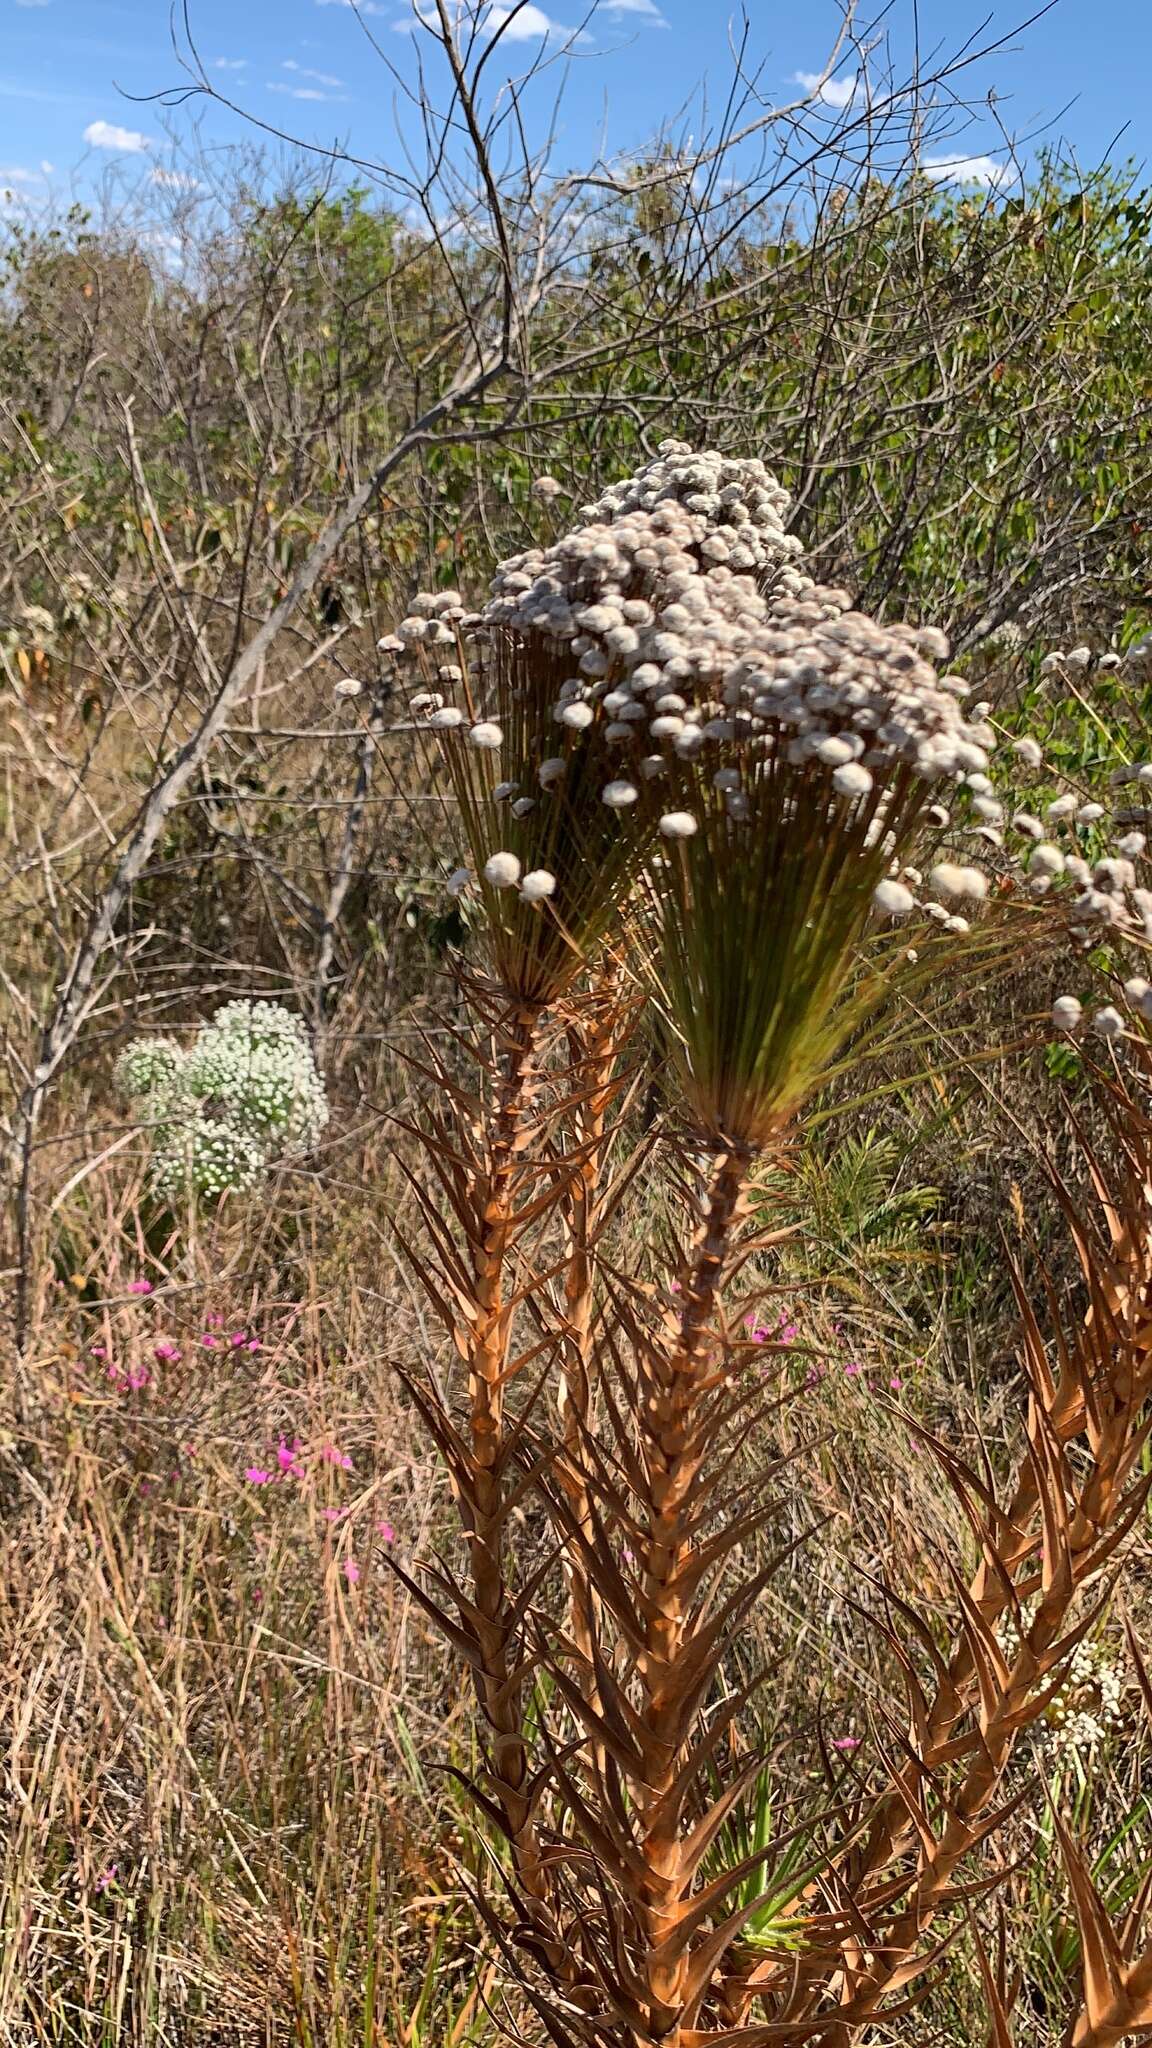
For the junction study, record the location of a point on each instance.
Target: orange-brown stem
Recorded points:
(593, 1050)
(674, 1444)
(499, 1684)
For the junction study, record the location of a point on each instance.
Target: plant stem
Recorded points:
(674, 1441)
(593, 1048)
(500, 1679)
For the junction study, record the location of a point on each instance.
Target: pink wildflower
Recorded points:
(139, 1376)
(332, 1456)
(239, 1338)
(208, 1341)
(351, 1571)
(139, 1287)
(257, 1475)
(107, 1878)
(896, 1382)
(846, 1742)
(253, 1344)
(286, 1457)
(214, 1322)
(98, 1351)
(852, 1368)
(334, 1514)
(167, 1352)
(386, 1532)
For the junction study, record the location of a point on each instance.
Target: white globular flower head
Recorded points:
(243, 1099)
(948, 880)
(1046, 860)
(851, 779)
(1138, 996)
(1067, 1013)
(678, 825)
(536, 885)
(502, 870)
(893, 899)
(487, 736)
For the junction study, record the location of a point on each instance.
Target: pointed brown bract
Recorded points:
(656, 1534)
(1045, 1554)
(1116, 1962)
(487, 1198)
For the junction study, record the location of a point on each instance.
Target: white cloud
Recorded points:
(513, 24)
(107, 135)
(968, 170)
(320, 77)
(521, 24)
(17, 174)
(833, 92)
(302, 92)
(646, 9)
(230, 64)
(358, 6)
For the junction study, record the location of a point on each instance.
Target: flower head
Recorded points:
(243, 1098)
(502, 870)
(538, 885)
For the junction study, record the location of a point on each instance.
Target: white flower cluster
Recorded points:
(244, 1098)
(1078, 660)
(1089, 1706)
(676, 651)
(149, 1067)
(1047, 856)
(685, 627)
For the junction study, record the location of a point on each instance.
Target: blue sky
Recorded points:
(69, 70)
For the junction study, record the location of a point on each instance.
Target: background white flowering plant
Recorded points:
(244, 1098)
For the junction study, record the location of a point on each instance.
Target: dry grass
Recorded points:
(197, 1697)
